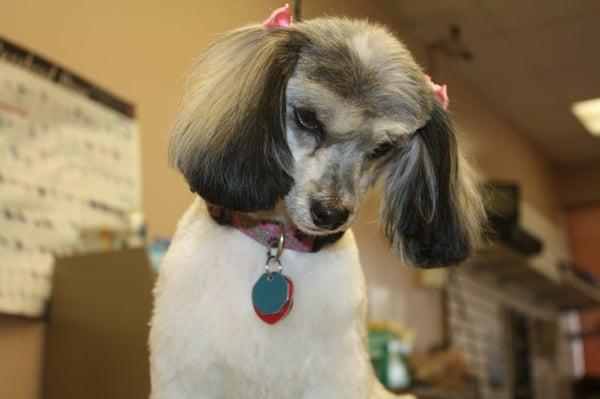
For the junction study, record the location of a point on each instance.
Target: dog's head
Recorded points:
(310, 116)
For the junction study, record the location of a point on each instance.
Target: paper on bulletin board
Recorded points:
(69, 163)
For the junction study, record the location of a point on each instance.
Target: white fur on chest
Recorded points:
(207, 342)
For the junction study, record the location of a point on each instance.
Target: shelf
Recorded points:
(424, 392)
(509, 269)
(586, 335)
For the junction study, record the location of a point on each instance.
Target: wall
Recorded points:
(140, 49)
(577, 185)
(584, 232)
(501, 151)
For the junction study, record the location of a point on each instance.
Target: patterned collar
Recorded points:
(267, 232)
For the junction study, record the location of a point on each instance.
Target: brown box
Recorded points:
(98, 327)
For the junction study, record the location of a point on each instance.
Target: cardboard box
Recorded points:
(98, 327)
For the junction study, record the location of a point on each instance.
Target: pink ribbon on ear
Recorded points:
(441, 92)
(280, 18)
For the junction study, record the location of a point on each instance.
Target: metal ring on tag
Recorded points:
(280, 247)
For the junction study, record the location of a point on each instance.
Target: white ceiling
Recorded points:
(531, 58)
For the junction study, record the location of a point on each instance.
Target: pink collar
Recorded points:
(265, 232)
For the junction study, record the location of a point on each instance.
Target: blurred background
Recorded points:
(88, 91)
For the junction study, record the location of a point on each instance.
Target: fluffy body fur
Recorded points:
(295, 125)
(207, 342)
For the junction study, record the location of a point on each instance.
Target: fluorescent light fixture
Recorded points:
(588, 113)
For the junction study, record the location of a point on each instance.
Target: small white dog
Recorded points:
(282, 130)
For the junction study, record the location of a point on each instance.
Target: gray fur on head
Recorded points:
(315, 113)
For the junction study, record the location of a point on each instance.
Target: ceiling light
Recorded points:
(588, 113)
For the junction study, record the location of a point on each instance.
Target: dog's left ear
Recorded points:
(229, 138)
(432, 210)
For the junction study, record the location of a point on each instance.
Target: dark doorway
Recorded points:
(520, 348)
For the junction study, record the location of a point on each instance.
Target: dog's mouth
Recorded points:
(317, 231)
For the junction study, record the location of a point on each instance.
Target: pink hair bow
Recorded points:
(280, 18)
(441, 92)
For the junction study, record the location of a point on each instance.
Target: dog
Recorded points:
(282, 130)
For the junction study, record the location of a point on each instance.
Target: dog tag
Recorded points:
(272, 297)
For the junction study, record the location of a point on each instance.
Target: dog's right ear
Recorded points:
(229, 138)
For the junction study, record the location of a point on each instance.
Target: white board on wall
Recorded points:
(69, 164)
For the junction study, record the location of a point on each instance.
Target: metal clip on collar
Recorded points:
(279, 251)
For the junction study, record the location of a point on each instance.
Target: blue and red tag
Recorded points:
(273, 297)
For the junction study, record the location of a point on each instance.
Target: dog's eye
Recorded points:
(309, 121)
(381, 150)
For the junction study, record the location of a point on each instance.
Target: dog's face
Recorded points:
(355, 96)
(311, 116)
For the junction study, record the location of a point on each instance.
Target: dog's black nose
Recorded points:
(328, 217)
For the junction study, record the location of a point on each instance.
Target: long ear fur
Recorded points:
(229, 138)
(432, 210)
